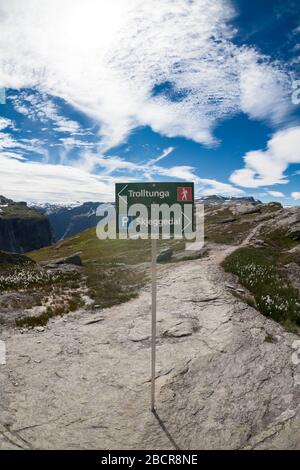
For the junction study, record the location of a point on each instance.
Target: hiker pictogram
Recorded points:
(184, 193)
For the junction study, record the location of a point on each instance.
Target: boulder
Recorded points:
(295, 250)
(293, 272)
(188, 255)
(245, 209)
(14, 258)
(258, 243)
(294, 232)
(164, 255)
(72, 259)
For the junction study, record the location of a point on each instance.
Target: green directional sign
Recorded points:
(157, 198)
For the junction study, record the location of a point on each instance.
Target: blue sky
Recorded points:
(98, 93)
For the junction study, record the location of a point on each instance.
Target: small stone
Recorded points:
(229, 286)
(94, 320)
(259, 242)
(164, 255)
(40, 329)
(228, 221)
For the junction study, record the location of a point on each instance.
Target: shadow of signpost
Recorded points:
(165, 430)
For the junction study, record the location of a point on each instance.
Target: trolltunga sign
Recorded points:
(154, 209)
(151, 210)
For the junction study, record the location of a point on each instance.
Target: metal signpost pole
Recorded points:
(153, 338)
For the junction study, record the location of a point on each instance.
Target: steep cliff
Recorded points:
(22, 228)
(66, 221)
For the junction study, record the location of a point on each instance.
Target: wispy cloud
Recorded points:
(46, 182)
(278, 194)
(210, 186)
(39, 107)
(165, 154)
(21, 146)
(106, 58)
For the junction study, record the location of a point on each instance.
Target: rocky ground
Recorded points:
(225, 375)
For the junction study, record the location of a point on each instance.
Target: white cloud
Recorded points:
(106, 57)
(276, 194)
(267, 167)
(72, 142)
(66, 125)
(14, 155)
(42, 182)
(5, 123)
(264, 90)
(295, 195)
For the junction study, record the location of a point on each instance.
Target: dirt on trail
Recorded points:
(225, 375)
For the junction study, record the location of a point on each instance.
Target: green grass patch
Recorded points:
(259, 271)
(228, 234)
(114, 269)
(72, 305)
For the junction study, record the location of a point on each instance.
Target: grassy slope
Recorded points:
(113, 268)
(260, 271)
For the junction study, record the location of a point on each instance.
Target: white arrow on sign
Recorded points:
(187, 219)
(124, 187)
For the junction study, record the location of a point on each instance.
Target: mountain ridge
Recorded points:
(215, 199)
